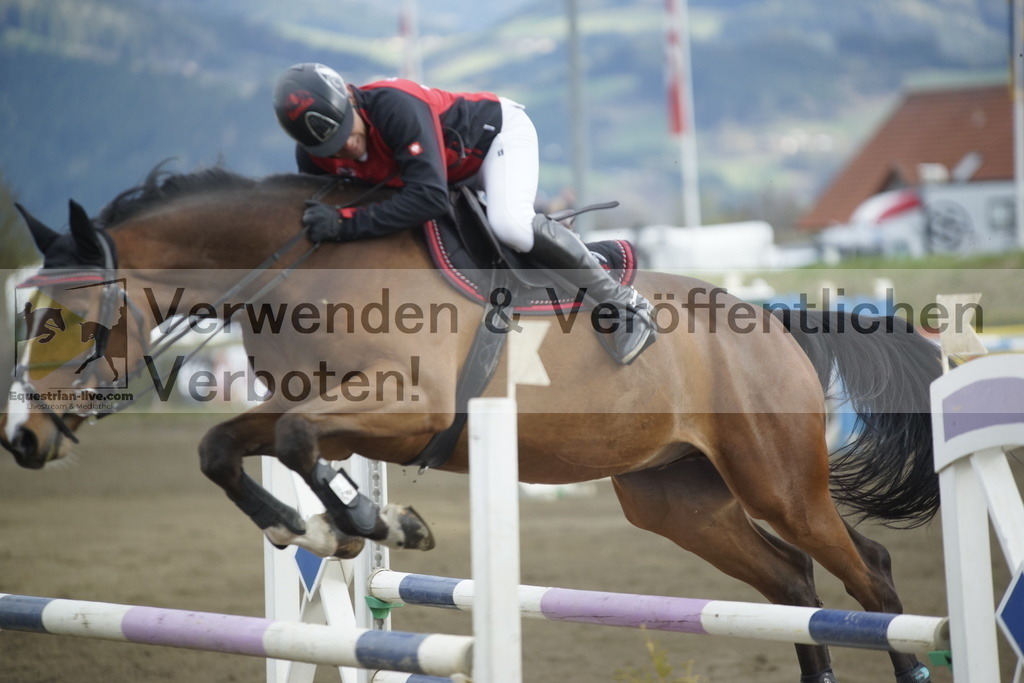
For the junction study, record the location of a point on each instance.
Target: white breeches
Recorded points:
(509, 174)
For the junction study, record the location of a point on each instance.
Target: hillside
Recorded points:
(95, 92)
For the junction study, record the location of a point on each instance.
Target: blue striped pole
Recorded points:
(806, 625)
(415, 653)
(395, 677)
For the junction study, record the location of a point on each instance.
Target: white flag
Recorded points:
(957, 335)
(524, 363)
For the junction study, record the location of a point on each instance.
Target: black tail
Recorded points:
(886, 370)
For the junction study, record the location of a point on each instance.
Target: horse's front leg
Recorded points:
(110, 363)
(92, 356)
(221, 452)
(297, 445)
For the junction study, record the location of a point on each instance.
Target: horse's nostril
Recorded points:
(26, 445)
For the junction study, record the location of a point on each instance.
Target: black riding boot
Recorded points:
(557, 247)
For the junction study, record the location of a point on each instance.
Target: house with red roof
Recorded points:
(937, 176)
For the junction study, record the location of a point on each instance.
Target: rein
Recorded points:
(169, 338)
(175, 332)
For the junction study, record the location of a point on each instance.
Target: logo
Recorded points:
(51, 336)
(415, 149)
(298, 102)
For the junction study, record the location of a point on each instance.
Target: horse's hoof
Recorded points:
(915, 674)
(826, 676)
(406, 529)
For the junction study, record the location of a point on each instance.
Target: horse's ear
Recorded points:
(42, 235)
(87, 242)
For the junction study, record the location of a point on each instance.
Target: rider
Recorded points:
(420, 140)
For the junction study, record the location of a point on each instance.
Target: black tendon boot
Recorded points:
(557, 247)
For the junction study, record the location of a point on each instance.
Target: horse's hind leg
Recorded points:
(791, 494)
(861, 564)
(689, 503)
(907, 667)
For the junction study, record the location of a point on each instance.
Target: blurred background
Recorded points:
(93, 93)
(745, 138)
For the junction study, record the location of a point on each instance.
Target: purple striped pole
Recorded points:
(415, 653)
(807, 625)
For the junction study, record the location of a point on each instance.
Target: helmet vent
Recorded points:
(320, 126)
(331, 78)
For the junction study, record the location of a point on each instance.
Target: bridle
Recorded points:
(114, 292)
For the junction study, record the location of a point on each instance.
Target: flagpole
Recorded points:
(408, 28)
(681, 88)
(578, 120)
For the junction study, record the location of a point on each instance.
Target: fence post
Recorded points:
(494, 502)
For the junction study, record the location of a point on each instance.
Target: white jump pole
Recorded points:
(494, 502)
(416, 653)
(783, 623)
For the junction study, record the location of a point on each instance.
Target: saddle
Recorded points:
(467, 253)
(471, 259)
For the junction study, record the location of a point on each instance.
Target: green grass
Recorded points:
(658, 668)
(1008, 260)
(914, 283)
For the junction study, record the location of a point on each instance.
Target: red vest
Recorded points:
(462, 150)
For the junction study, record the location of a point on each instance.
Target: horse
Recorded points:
(37, 322)
(717, 426)
(108, 342)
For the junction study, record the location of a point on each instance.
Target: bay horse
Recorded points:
(714, 427)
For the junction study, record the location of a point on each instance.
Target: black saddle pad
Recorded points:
(466, 253)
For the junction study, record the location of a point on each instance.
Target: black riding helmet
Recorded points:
(311, 102)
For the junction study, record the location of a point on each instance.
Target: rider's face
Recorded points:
(355, 146)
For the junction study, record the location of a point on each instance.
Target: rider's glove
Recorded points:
(324, 222)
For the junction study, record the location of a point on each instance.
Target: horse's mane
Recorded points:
(161, 186)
